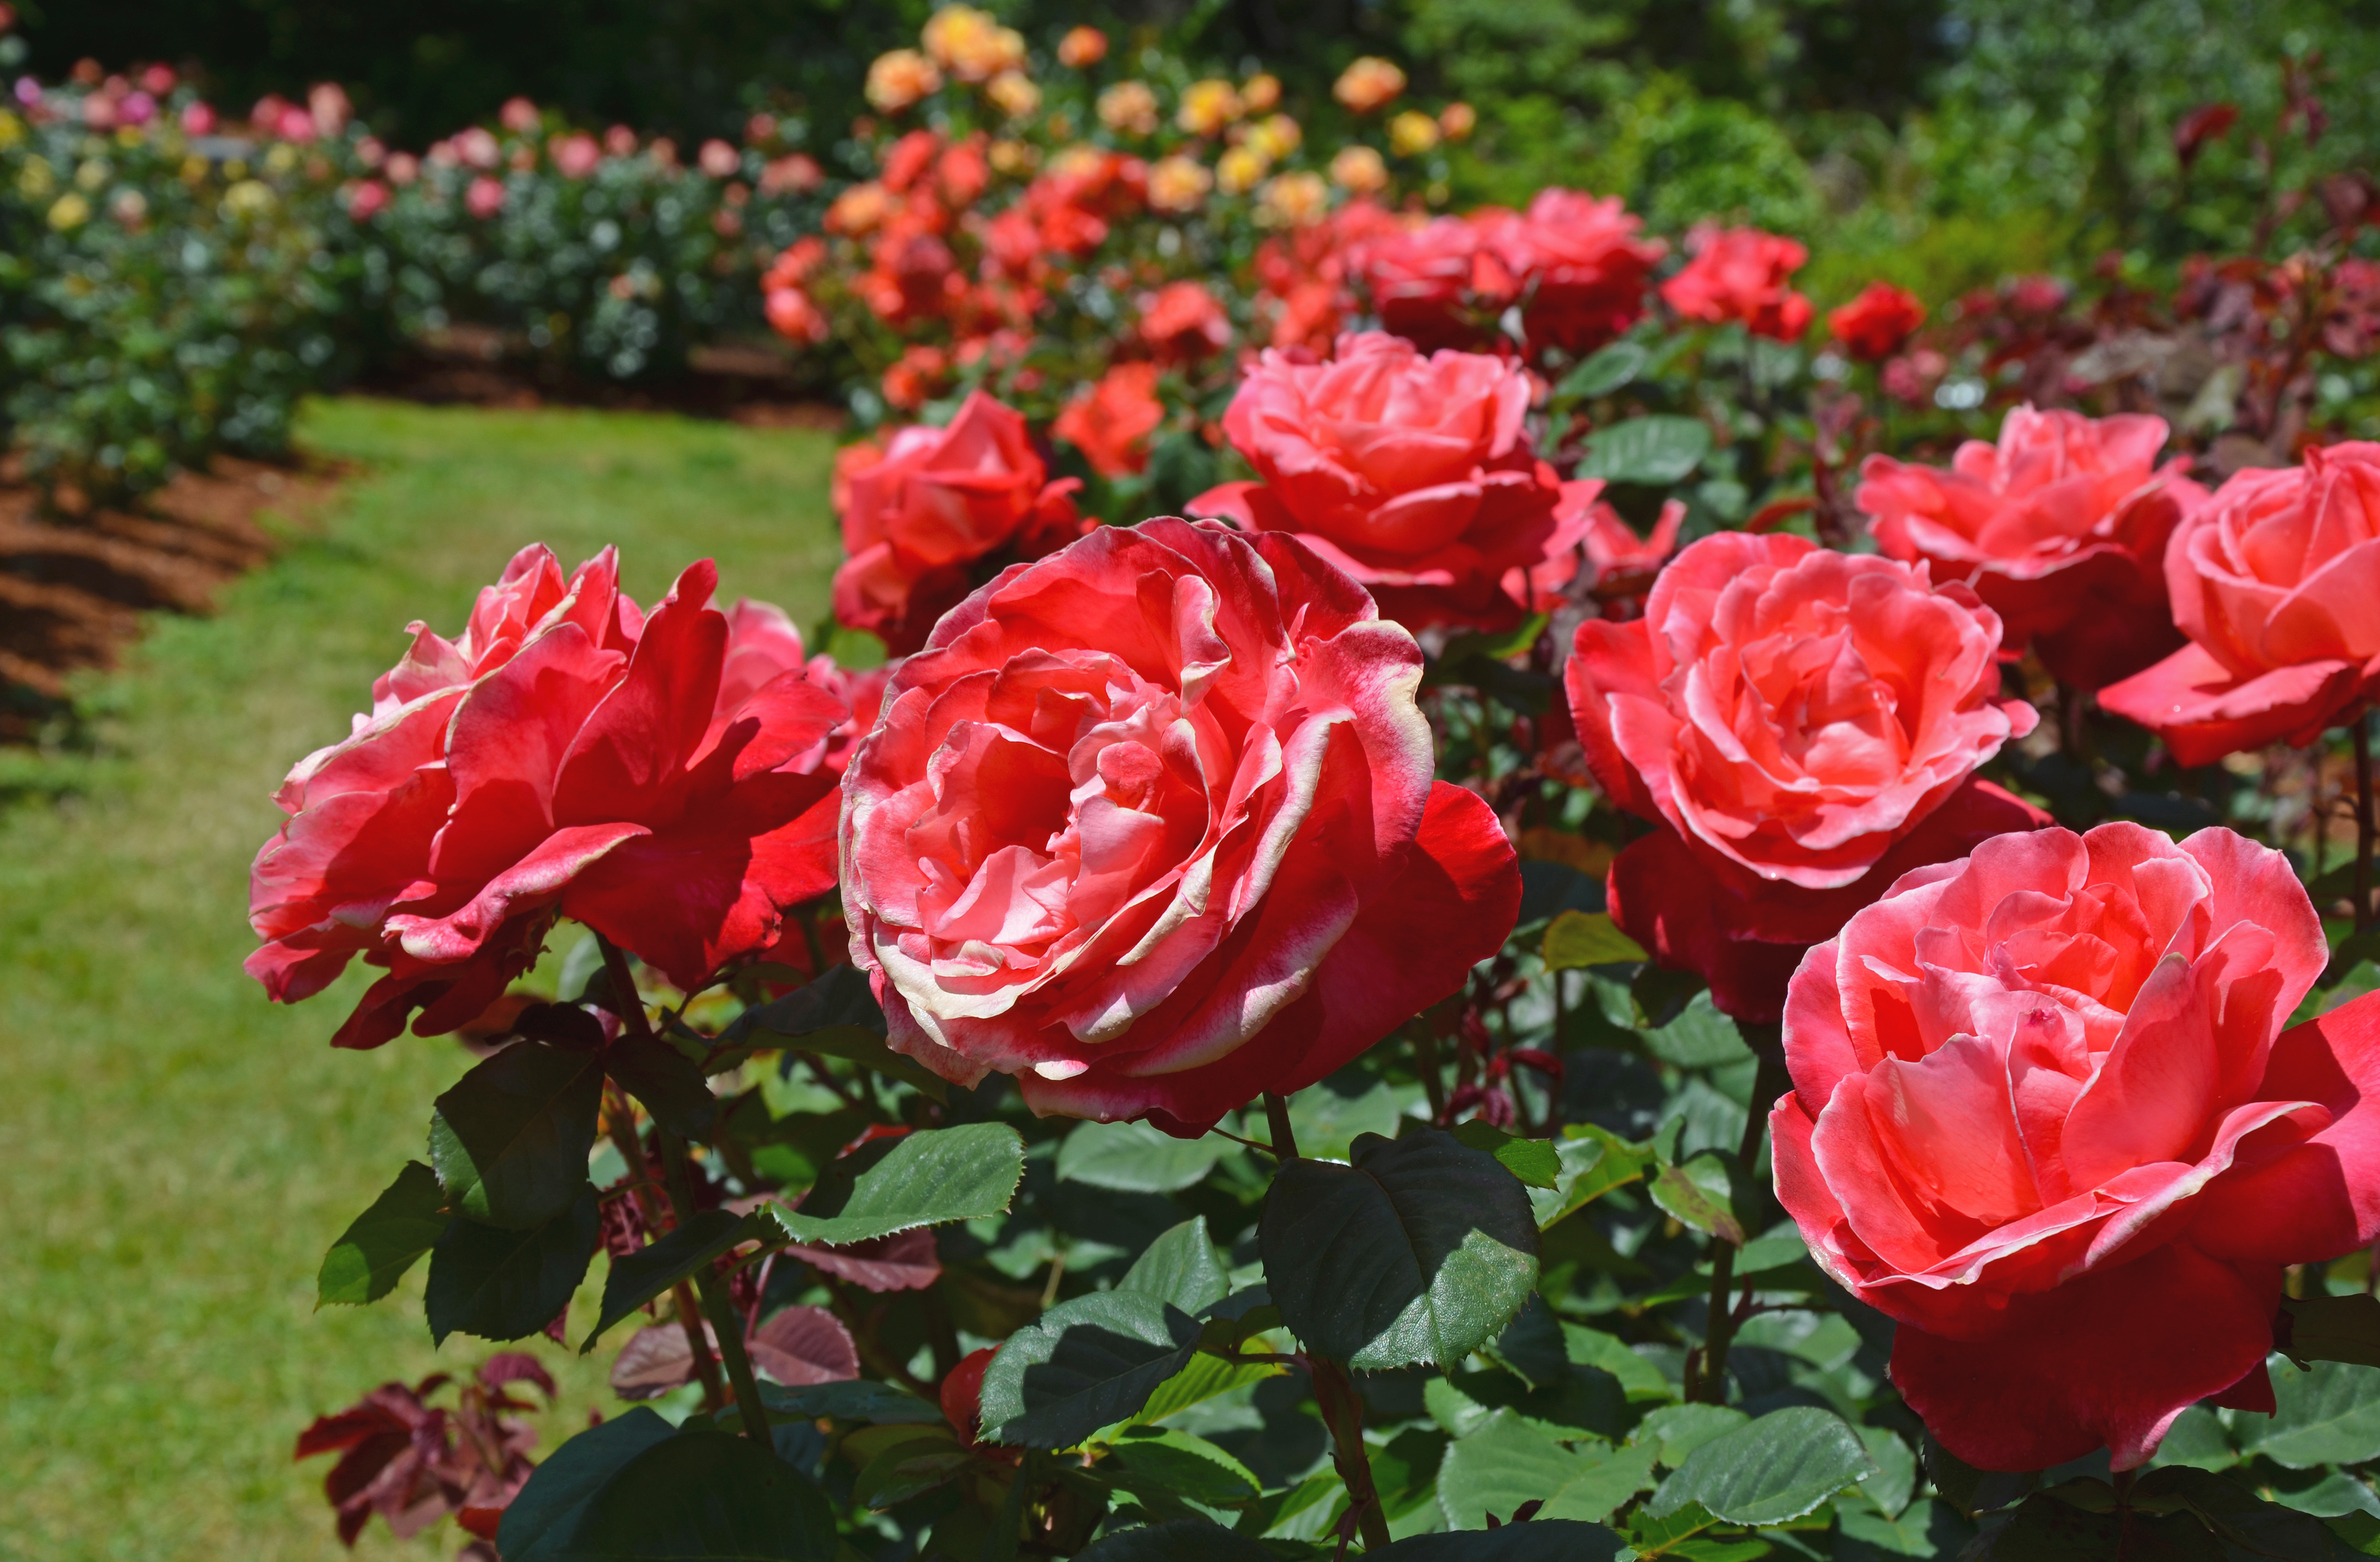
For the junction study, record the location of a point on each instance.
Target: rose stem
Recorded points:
(2361, 732)
(623, 1119)
(1766, 1043)
(1343, 1413)
(1426, 1061)
(715, 1303)
(1284, 1143)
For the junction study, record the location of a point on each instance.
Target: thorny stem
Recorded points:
(2361, 732)
(715, 1303)
(1768, 1083)
(646, 1191)
(1343, 1413)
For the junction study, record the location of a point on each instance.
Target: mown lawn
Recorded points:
(175, 1153)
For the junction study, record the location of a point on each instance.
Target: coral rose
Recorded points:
(1150, 824)
(1581, 266)
(2045, 1115)
(932, 503)
(565, 756)
(1183, 321)
(1874, 324)
(762, 643)
(1803, 727)
(1740, 275)
(1412, 473)
(2060, 528)
(1082, 48)
(2275, 581)
(1368, 83)
(1110, 422)
(1440, 284)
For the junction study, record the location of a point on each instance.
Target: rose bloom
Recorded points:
(1803, 727)
(620, 142)
(2060, 528)
(366, 200)
(568, 755)
(762, 643)
(1413, 133)
(2045, 1115)
(718, 159)
(794, 173)
(859, 211)
(1014, 92)
(1875, 325)
(1440, 285)
(1182, 321)
(793, 316)
(575, 155)
(518, 115)
(1369, 84)
(1581, 266)
(1740, 274)
(1110, 422)
(1207, 107)
(1177, 184)
(1359, 169)
(930, 503)
(899, 78)
(1129, 107)
(485, 197)
(1288, 200)
(1240, 169)
(2275, 579)
(1082, 48)
(1276, 136)
(476, 147)
(1458, 120)
(1261, 93)
(1412, 473)
(971, 44)
(1150, 824)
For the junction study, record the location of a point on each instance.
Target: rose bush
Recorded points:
(567, 755)
(1413, 474)
(1802, 726)
(1742, 275)
(2275, 581)
(2046, 1114)
(1150, 824)
(2060, 528)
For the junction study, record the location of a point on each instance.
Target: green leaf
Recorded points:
(701, 1495)
(1178, 1540)
(541, 1515)
(1657, 450)
(909, 1469)
(1180, 1267)
(1698, 1194)
(1534, 1160)
(1506, 1463)
(1421, 1251)
(854, 1400)
(1700, 1037)
(1676, 1430)
(1135, 1158)
(2333, 1329)
(1086, 1364)
(1780, 1467)
(669, 1085)
(2326, 1413)
(835, 1016)
(647, 1273)
(1205, 1376)
(1577, 939)
(1328, 1124)
(1541, 1539)
(1895, 1480)
(1594, 1161)
(1640, 1379)
(930, 1177)
(1603, 372)
(1186, 1466)
(372, 1254)
(509, 1142)
(499, 1283)
(1669, 1533)
(2197, 1438)
(2244, 1522)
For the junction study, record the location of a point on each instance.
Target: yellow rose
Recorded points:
(1012, 158)
(1207, 107)
(1276, 138)
(249, 197)
(281, 159)
(1261, 94)
(1411, 134)
(1359, 169)
(71, 213)
(1129, 108)
(1015, 93)
(899, 78)
(1368, 83)
(36, 179)
(93, 173)
(1289, 200)
(12, 129)
(1237, 171)
(1177, 184)
(970, 44)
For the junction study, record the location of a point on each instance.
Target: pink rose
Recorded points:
(1412, 473)
(575, 155)
(2275, 579)
(1803, 726)
(567, 755)
(916, 516)
(2044, 1114)
(484, 198)
(1581, 267)
(718, 159)
(1442, 284)
(1150, 824)
(1741, 275)
(2060, 528)
(366, 200)
(762, 644)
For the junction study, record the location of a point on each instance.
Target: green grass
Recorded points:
(175, 1151)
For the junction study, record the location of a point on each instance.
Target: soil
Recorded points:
(476, 367)
(72, 589)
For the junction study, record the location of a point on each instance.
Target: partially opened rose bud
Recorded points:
(1082, 48)
(1359, 170)
(899, 78)
(1369, 83)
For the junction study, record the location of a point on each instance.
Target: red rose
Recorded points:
(2275, 581)
(1803, 726)
(763, 643)
(1581, 267)
(567, 756)
(1412, 473)
(1150, 824)
(1740, 275)
(935, 501)
(2045, 1115)
(1440, 284)
(1874, 325)
(1182, 321)
(1110, 422)
(2060, 528)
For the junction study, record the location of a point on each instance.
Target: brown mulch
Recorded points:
(473, 366)
(72, 589)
